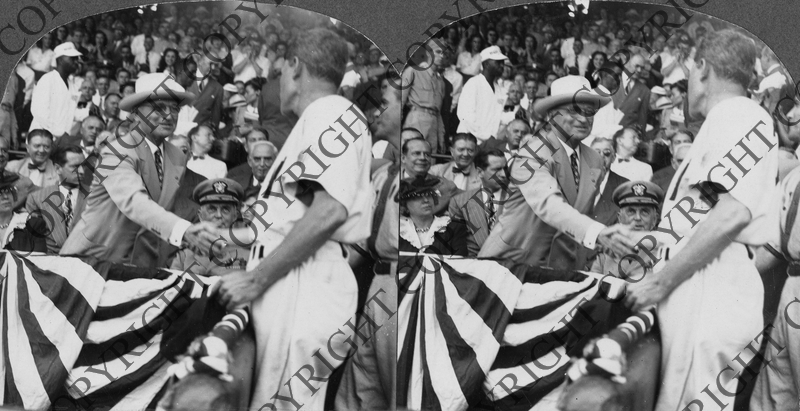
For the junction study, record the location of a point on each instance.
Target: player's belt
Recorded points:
(428, 110)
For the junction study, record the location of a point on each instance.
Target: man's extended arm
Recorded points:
(323, 217)
(711, 237)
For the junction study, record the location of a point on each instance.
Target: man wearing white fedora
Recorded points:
(553, 183)
(135, 184)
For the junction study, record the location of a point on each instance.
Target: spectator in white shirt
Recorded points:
(40, 57)
(249, 60)
(481, 104)
(54, 101)
(577, 59)
(202, 138)
(148, 60)
(626, 142)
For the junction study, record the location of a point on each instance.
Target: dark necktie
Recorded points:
(41, 168)
(159, 165)
(491, 213)
(68, 210)
(575, 168)
(457, 170)
(623, 160)
(194, 157)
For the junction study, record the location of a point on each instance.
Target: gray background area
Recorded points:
(395, 25)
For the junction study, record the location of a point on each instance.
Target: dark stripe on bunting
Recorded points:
(93, 354)
(45, 355)
(430, 401)
(539, 312)
(64, 296)
(465, 363)
(122, 272)
(483, 301)
(108, 396)
(544, 275)
(11, 395)
(413, 266)
(524, 398)
(405, 361)
(123, 309)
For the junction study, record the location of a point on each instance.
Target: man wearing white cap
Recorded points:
(553, 183)
(53, 103)
(481, 102)
(136, 181)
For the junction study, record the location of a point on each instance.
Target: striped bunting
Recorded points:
(476, 334)
(90, 334)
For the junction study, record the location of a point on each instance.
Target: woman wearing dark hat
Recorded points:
(420, 230)
(16, 233)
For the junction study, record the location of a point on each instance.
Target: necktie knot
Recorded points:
(464, 171)
(41, 167)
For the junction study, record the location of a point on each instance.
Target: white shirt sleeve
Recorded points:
(176, 237)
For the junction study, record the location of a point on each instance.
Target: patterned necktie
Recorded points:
(68, 210)
(575, 168)
(159, 166)
(491, 213)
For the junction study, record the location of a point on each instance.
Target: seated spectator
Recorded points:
(415, 160)
(605, 209)
(626, 143)
(23, 185)
(202, 138)
(85, 106)
(110, 113)
(90, 128)
(639, 203)
(662, 178)
(248, 113)
(461, 171)
(512, 110)
(478, 209)
(60, 206)
(147, 60)
(17, 230)
(37, 165)
(420, 230)
(260, 157)
(220, 200)
(512, 136)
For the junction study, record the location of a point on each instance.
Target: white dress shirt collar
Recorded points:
(154, 147)
(569, 150)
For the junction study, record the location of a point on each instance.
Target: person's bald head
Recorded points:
(680, 154)
(515, 130)
(261, 157)
(90, 127)
(635, 66)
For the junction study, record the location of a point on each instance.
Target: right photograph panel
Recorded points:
(597, 210)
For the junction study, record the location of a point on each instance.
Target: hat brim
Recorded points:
(183, 98)
(638, 201)
(498, 58)
(68, 53)
(543, 105)
(218, 198)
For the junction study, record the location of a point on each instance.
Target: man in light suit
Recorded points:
(553, 184)
(136, 180)
(461, 171)
(37, 166)
(480, 208)
(60, 206)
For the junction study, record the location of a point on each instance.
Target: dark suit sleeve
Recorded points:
(455, 238)
(643, 111)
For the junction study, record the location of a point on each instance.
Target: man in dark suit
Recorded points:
(555, 179)
(605, 210)
(260, 157)
(60, 206)
(629, 95)
(277, 124)
(662, 178)
(480, 208)
(208, 91)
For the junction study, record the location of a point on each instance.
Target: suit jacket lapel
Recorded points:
(564, 173)
(478, 218)
(589, 180)
(173, 170)
(149, 172)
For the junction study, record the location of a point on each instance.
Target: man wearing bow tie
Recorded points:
(202, 138)
(37, 166)
(461, 170)
(626, 142)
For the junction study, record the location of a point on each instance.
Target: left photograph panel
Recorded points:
(199, 210)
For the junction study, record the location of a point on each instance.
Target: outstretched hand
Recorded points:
(617, 239)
